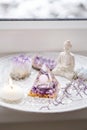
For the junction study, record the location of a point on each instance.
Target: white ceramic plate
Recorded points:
(41, 105)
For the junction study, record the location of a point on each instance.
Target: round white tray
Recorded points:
(41, 105)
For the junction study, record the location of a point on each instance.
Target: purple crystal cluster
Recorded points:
(39, 61)
(21, 67)
(22, 59)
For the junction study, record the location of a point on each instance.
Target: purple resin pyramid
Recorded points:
(45, 84)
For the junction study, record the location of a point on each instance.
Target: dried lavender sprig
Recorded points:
(74, 84)
(45, 107)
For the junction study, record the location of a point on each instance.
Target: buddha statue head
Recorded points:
(67, 46)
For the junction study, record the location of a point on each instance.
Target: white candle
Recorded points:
(11, 92)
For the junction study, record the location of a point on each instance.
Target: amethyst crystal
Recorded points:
(21, 59)
(39, 61)
(21, 67)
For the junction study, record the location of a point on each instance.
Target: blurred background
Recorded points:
(43, 9)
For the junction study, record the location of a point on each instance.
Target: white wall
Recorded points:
(41, 39)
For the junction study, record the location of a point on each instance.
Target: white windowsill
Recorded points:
(43, 24)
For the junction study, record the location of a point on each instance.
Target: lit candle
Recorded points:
(11, 92)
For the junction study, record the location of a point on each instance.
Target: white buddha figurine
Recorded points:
(65, 62)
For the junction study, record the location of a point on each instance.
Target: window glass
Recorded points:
(43, 9)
